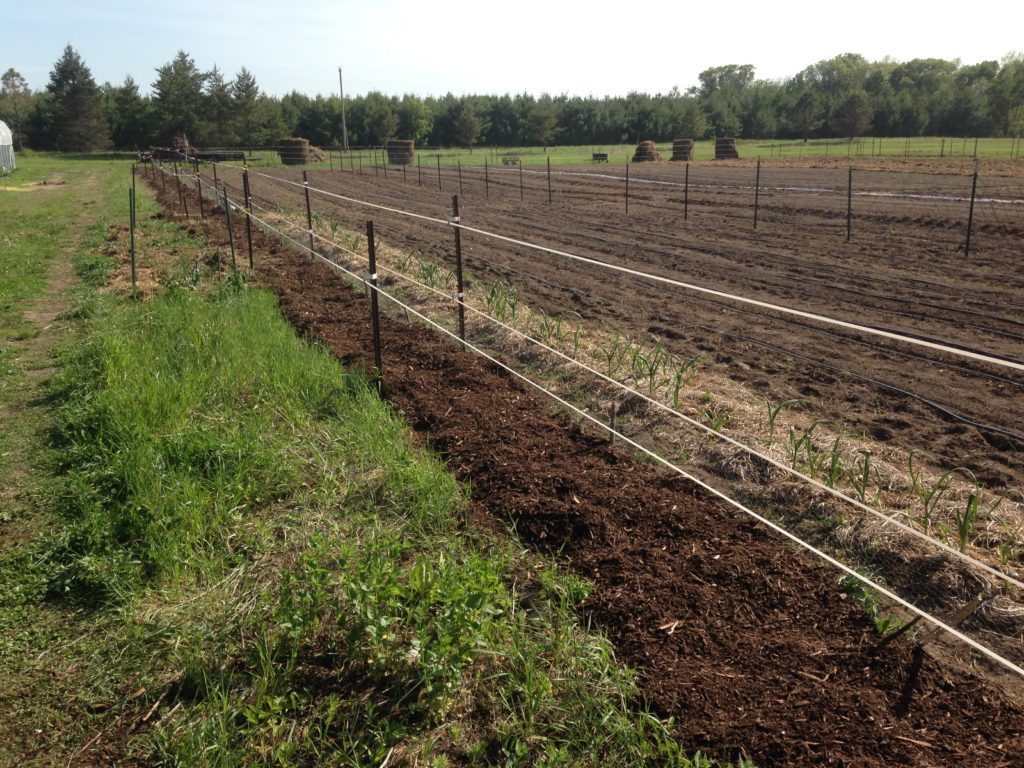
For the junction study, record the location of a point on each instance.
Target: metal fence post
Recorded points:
(374, 308)
(849, 205)
(460, 295)
(757, 190)
(970, 213)
(309, 213)
(248, 212)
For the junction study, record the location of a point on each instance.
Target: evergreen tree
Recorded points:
(74, 118)
(219, 111)
(129, 118)
(246, 96)
(178, 100)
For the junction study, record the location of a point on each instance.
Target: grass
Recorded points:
(248, 562)
(619, 154)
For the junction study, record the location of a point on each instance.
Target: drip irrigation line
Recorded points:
(529, 276)
(853, 276)
(993, 429)
(835, 369)
(923, 342)
(731, 275)
(887, 520)
(850, 572)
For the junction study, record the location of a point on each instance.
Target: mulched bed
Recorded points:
(749, 645)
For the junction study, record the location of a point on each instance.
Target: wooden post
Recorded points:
(460, 295)
(757, 190)
(520, 179)
(419, 171)
(309, 214)
(970, 213)
(460, 176)
(374, 309)
(439, 173)
(487, 182)
(248, 212)
(215, 179)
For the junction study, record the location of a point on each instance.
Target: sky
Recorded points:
(574, 48)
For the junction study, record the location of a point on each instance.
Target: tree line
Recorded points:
(845, 96)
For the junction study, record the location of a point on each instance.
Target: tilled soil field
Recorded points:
(903, 270)
(749, 645)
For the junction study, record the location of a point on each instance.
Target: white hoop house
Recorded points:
(6, 148)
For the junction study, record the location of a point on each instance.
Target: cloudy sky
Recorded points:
(397, 46)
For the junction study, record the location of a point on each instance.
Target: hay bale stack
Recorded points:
(400, 151)
(646, 152)
(725, 149)
(293, 151)
(682, 149)
(317, 155)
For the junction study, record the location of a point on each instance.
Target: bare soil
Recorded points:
(903, 270)
(751, 647)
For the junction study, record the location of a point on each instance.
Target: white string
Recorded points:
(676, 283)
(715, 492)
(887, 520)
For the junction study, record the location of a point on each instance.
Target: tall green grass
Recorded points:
(298, 582)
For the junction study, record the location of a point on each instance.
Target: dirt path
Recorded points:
(750, 646)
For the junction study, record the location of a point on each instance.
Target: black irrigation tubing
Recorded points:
(827, 366)
(960, 350)
(879, 297)
(938, 287)
(527, 276)
(726, 275)
(909, 334)
(845, 372)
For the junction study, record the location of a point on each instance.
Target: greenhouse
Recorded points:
(6, 148)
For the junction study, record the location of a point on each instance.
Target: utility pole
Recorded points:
(344, 127)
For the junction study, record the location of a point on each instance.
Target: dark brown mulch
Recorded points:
(746, 642)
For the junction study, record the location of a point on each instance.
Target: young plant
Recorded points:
(860, 476)
(929, 498)
(774, 409)
(716, 419)
(965, 520)
(836, 469)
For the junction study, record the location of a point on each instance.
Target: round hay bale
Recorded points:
(646, 152)
(294, 151)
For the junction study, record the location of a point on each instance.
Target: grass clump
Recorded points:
(288, 580)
